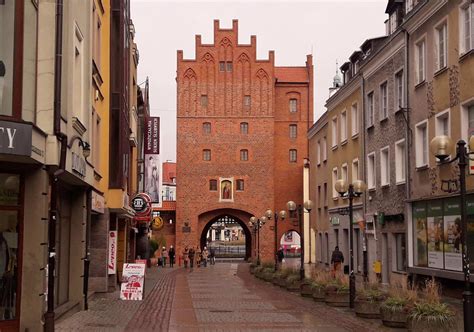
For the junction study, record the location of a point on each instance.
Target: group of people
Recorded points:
(165, 254)
(200, 257)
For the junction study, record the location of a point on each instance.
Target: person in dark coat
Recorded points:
(280, 255)
(171, 255)
(336, 260)
(191, 257)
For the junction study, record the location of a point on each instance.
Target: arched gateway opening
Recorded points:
(228, 236)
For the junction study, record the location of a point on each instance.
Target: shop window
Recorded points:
(10, 205)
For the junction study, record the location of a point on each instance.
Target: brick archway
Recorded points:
(206, 219)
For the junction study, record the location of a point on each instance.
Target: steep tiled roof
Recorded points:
(291, 74)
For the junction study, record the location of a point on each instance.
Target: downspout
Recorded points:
(86, 258)
(407, 132)
(54, 176)
(365, 262)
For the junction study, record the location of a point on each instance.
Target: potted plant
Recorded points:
(395, 309)
(368, 300)
(293, 282)
(267, 274)
(318, 287)
(284, 273)
(306, 289)
(337, 292)
(429, 314)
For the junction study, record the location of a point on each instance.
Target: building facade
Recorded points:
(241, 128)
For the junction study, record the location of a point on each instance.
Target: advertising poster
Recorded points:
(112, 253)
(152, 159)
(421, 237)
(470, 228)
(435, 234)
(133, 279)
(452, 235)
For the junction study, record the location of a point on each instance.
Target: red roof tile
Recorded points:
(291, 74)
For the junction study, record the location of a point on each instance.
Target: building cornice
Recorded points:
(420, 15)
(344, 92)
(318, 125)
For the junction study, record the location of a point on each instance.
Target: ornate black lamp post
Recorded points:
(442, 147)
(257, 224)
(352, 190)
(308, 206)
(282, 214)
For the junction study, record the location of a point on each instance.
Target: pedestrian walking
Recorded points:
(191, 254)
(164, 256)
(280, 256)
(186, 257)
(205, 255)
(198, 257)
(337, 259)
(212, 256)
(171, 255)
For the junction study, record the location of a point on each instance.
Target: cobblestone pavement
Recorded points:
(223, 297)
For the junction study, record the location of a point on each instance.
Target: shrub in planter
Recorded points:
(284, 273)
(306, 289)
(337, 292)
(258, 271)
(267, 274)
(320, 280)
(429, 314)
(368, 300)
(253, 265)
(395, 309)
(293, 283)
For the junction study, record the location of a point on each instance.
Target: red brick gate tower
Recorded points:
(241, 131)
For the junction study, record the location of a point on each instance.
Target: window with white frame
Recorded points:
(442, 124)
(334, 131)
(354, 120)
(385, 166)
(318, 153)
(383, 101)
(344, 174)
(324, 149)
(343, 126)
(467, 28)
(393, 22)
(293, 155)
(400, 161)
(420, 55)
(371, 170)
(355, 170)
(293, 130)
(370, 109)
(335, 194)
(408, 6)
(293, 105)
(441, 38)
(421, 144)
(399, 93)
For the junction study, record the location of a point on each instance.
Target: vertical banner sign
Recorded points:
(420, 232)
(152, 159)
(435, 234)
(133, 279)
(452, 234)
(112, 254)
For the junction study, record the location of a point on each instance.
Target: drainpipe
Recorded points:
(407, 132)
(54, 176)
(362, 164)
(86, 258)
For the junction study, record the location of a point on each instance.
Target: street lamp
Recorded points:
(257, 224)
(352, 190)
(308, 206)
(442, 147)
(282, 215)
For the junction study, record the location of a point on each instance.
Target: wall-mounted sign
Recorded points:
(334, 221)
(78, 164)
(153, 178)
(98, 202)
(157, 223)
(15, 138)
(141, 204)
(112, 253)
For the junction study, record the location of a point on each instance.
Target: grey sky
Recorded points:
(329, 29)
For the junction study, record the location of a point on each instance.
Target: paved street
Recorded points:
(224, 297)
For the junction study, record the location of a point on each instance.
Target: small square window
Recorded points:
(244, 155)
(293, 105)
(240, 185)
(293, 155)
(204, 100)
(221, 66)
(247, 101)
(206, 155)
(213, 185)
(229, 66)
(244, 128)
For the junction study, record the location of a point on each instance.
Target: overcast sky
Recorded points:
(331, 30)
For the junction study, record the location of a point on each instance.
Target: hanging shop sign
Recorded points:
(112, 253)
(157, 223)
(133, 280)
(141, 204)
(15, 138)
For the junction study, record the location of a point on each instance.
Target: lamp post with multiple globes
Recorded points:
(257, 223)
(282, 215)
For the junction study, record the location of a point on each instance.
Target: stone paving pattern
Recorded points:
(223, 297)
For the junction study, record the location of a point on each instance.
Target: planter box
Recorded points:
(367, 309)
(335, 299)
(252, 269)
(390, 318)
(306, 290)
(293, 286)
(319, 294)
(425, 326)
